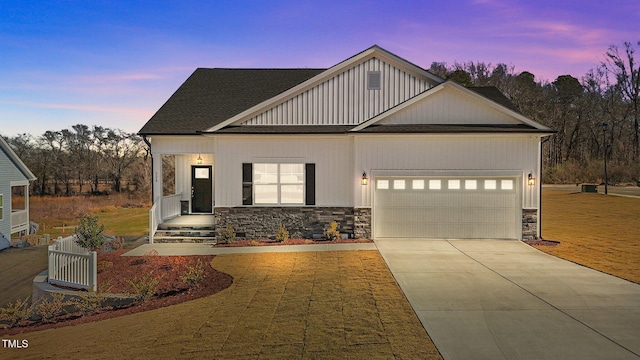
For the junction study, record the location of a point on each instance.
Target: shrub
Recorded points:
(89, 234)
(91, 302)
(282, 234)
(49, 309)
(332, 233)
(254, 243)
(194, 275)
(14, 313)
(144, 287)
(228, 236)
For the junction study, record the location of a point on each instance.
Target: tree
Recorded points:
(627, 74)
(89, 234)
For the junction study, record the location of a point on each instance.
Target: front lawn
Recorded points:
(594, 230)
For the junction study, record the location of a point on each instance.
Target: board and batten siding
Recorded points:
(183, 172)
(449, 106)
(345, 99)
(8, 174)
(447, 155)
(333, 156)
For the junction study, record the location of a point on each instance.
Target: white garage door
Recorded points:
(446, 207)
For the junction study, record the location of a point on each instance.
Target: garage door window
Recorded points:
(506, 184)
(435, 185)
(454, 184)
(417, 184)
(382, 184)
(398, 184)
(490, 185)
(470, 184)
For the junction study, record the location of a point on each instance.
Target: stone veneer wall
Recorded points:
(529, 224)
(253, 222)
(362, 223)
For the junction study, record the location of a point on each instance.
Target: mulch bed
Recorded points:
(268, 242)
(116, 269)
(542, 242)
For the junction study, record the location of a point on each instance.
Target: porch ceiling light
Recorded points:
(531, 180)
(364, 180)
(199, 160)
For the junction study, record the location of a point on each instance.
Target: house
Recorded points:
(14, 194)
(375, 143)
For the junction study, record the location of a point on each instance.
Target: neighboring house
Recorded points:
(376, 143)
(14, 193)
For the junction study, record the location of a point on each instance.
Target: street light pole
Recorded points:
(604, 145)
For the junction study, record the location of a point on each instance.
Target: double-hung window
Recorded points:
(279, 184)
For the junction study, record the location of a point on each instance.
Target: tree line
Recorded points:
(84, 160)
(578, 110)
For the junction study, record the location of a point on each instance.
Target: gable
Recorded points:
(450, 106)
(347, 97)
(12, 168)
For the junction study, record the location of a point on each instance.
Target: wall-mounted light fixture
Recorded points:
(531, 180)
(365, 179)
(199, 160)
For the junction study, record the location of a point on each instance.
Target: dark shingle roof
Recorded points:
(211, 96)
(448, 129)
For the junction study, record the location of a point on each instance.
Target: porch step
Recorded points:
(169, 233)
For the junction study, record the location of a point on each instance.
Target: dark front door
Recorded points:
(201, 189)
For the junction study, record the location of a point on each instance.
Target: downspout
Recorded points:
(540, 190)
(146, 141)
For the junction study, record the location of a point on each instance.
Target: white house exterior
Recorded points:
(14, 178)
(376, 143)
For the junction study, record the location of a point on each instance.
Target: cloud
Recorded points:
(78, 107)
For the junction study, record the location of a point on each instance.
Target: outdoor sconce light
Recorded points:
(364, 180)
(199, 160)
(532, 180)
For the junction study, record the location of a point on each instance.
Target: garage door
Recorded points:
(446, 207)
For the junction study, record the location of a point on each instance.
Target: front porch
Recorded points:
(19, 207)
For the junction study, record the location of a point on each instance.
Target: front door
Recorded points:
(201, 189)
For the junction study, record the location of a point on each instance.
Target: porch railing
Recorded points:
(154, 221)
(72, 265)
(170, 206)
(19, 220)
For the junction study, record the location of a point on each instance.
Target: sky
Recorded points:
(114, 63)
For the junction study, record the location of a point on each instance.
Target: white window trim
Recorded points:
(279, 184)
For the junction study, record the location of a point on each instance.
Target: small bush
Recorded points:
(89, 234)
(228, 236)
(103, 265)
(14, 313)
(117, 243)
(332, 233)
(254, 243)
(194, 275)
(49, 309)
(89, 303)
(144, 287)
(282, 234)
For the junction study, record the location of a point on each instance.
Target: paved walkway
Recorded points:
(491, 299)
(169, 249)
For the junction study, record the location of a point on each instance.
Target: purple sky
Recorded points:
(114, 63)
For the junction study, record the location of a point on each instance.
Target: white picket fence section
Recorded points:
(168, 209)
(72, 265)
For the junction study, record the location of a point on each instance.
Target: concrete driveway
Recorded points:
(501, 299)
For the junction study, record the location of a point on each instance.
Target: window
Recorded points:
(470, 184)
(490, 185)
(382, 184)
(1, 208)
(454, 184)
(398, 184)
(434, 184)
(278, 183)
(417, 184)
(506, 184)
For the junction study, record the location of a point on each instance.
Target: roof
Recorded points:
(211, 96)
(494, 94)
(4, 146)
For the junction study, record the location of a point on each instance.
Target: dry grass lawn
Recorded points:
(311, 305)
(598, 231)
